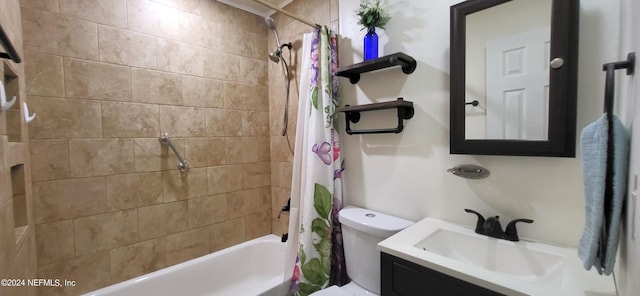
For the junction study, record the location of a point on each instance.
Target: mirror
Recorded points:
(514, 77)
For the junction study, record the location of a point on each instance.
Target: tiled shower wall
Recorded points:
(17, 235)
(106, 78)
(323, 12)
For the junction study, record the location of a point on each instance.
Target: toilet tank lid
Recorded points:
(372, 222)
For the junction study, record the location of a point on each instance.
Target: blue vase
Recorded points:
(371, 44)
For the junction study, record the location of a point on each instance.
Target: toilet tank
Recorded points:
(362, 230)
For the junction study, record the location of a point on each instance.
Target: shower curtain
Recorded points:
(315, 257)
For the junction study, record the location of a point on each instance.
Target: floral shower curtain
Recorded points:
(315, 255)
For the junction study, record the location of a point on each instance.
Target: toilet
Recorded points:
(362, 230)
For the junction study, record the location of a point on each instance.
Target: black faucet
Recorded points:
(491, 227)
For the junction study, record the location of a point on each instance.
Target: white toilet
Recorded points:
(362, 230)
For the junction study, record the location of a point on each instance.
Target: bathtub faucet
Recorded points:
(286, 208)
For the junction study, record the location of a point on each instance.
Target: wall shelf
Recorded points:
(352, 114)
(353, 72)
(11, 52)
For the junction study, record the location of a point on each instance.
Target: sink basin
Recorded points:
(510, 268)
(514, 259)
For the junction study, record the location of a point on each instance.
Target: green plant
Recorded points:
(371, 14)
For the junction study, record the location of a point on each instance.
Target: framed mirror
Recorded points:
(514, 77)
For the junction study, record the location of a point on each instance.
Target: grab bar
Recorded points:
(183, 166)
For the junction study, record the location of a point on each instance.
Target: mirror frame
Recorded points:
(563, 84)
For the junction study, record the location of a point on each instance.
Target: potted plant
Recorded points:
(371, 14)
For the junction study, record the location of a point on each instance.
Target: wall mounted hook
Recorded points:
(25, 112)
(4, 104)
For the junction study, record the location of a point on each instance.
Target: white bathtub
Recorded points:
(252, 268)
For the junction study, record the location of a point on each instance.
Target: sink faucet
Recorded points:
(491, 227)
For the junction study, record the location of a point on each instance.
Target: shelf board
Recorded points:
(353, 72)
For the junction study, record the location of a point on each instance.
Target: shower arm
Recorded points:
(183, 166)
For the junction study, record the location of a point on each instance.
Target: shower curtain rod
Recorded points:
(291, 15)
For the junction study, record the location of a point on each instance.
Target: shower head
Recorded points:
(277, 54)
(271, 24)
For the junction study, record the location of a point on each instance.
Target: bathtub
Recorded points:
(251, 268)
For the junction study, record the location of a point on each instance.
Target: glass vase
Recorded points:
(371, 44)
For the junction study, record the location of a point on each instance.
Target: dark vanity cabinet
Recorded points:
(400, 277)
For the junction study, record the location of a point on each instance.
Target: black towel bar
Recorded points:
(610, 68)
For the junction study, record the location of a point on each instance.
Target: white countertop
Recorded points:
(571, 279)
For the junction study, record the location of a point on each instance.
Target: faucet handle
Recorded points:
(479, 223)
(511, 233)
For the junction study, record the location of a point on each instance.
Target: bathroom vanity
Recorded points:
(400, 277)
(436, 257)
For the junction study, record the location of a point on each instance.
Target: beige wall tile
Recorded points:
(66, 199)
(163, 219)
(24, 267)
(151, 155)
(156, 87)
(108, 12)
(87, 271)
(281, 174)
(180, 57)
(242, 203)
(254, 71)
(98, 81)
(241, 150)
(183, 121)
(264, 199)
(60, 35)
(221, 65)
(264, 150)
(134, 190)
(225, 178)
(226, 234)
(127, 48)
(49, 159)
(81, 118)
(50, 5)
(153, 18)
(137, 259)
(187, 245)
(98, 157)
(180, 186)
(105, 231)
(202, 92)
(7, 236)
(130, 120)
(202, 152)
(255, 123)
(207, 210)
(43, 74)
(199, 31)
(223, 122)
(238, 41)
(245, 96)
(280, 149)
(258, 224)
(257, 174)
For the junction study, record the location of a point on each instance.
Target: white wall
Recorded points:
(405, 174)
(629, 108)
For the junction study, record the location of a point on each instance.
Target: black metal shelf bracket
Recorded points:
(11, 52)
(353, 72)
(352, 115)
